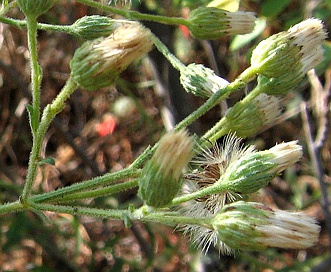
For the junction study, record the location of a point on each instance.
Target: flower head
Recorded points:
(95, 26)
(254, 171)
(253, 226)
(98, 63)
(298, 49)
(211, 23)
(258, 113)
(160, 179)
(201, 81)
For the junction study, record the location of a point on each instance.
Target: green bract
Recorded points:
(34, 8)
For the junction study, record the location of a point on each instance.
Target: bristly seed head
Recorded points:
(211, 165)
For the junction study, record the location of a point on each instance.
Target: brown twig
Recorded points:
(315, 144)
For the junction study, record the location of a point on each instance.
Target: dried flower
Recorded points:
(211, 23)
(298, 49)
(96, 64)
(230, 173)
(34, 8)
(201, 81)
(253, 226)
(160, 179)
(95, 26)
(211, 165)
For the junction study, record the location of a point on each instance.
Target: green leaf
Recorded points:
(30, 110)
(126, 220)
(272, 8)
(241, 40)
(49, 160)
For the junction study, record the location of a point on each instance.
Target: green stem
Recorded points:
(135, 15)
(80, 210)
(175, 62)
(11, 207)
(105, 191)
(169, 218)
(107, 179)
(216, 132)
(131, 172)
(47, 27)
(36, 73)
(48, 115)
(213, 189)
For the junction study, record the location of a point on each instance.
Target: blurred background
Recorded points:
(105, 130)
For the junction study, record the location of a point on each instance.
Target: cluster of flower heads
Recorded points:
(221, 177)
(215, 192)
(231, 172)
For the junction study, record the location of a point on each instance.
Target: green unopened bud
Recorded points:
(201, 81)
(211, 23)
(161, 177)
(253, 226)
(298, 49)
(255, 170)
(96, 64)
(34, 8)
(95, 26)
(247, 118)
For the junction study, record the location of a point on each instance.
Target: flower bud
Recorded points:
(34, 8)
(255, 170)
(298, 49)
(210, 23)
(96, 64)
(201, 81)
(253, 226)
(258, 113)
(95, 26)
(160, 178)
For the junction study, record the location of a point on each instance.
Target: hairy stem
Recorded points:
(36, 73)
(143, 214)
(135, 15)
(49, 113)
